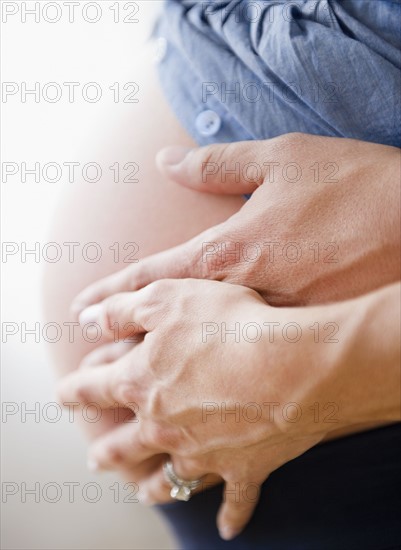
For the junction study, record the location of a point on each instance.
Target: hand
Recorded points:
(322, 224)
(185, 377)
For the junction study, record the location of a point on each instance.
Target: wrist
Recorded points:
(330, 367)
(367, 374)
(360, 373)
(302, 349)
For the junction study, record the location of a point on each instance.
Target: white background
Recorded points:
(43, 452)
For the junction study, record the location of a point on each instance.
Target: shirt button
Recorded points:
(160, 49)
(208, 123)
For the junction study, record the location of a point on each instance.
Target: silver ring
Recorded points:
(181, 488)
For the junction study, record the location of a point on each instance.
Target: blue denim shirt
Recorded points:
(254, 69)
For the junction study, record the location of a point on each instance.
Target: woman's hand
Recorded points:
(323, 223)
(221, 382)
(232, 388)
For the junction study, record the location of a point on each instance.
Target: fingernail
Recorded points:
(93, 465)
(227, 532)
(172, 155)
(90, 315)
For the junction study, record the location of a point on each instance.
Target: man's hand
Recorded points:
(323, 223)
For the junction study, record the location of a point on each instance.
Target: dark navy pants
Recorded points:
(341, 495)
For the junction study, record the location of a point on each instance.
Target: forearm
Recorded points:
(366, 369)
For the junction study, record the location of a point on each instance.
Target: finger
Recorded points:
(157, 490)
(98, 422)
(110, 418)
(228, 168)
(122, 448)
(175, 263)
(102, 421)
(103, 387)
(105, 354)
(142, 471)
(240, 500)
(127, 315)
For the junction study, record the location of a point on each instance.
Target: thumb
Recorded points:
(226, 168)
(240, 500)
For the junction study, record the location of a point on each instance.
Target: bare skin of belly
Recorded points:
(154, 214)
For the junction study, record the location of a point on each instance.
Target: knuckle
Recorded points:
(215, 157)
(122, 390)
(211, 155)
(157, 301)
(154, 403)
(172, 319)
(73, 391)
(159, 287)
(109, 311)
(83, 395)
(165, 438)
(219, 258)
(113, 306)
(154, 295)
(112, 455)
(293, 138)
(290, 144)
(155, 436)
